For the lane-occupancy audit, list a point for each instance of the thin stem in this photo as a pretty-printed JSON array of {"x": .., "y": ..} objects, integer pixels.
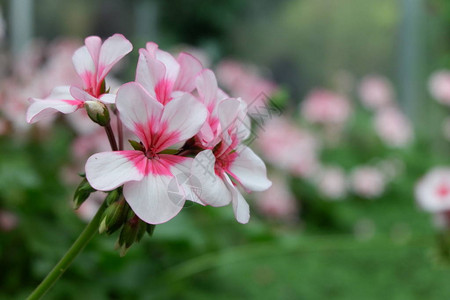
[
  {"x": 70, "y": 255},
  {"x": 111, "y": 138},
  {"x": 120, "y": 132}
]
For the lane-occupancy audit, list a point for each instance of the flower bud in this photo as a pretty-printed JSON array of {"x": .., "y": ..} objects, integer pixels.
[
  {"x": 113, "y": 196},
  {"x": 132, "y": 231},
  {"x": 82, "y": 192},
  {"x": 98, "y": 112},
  {"x": 114, "y": 217}
]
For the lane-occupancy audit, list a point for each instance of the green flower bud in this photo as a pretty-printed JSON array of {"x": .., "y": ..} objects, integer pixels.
[
  {"x": 113, "y": 196},
  {"x": 132, "y": 232},
  {"x": 98, "y": 112},
  {"x": 82, "y": 192},
  {"x": 114, "y": 217}
]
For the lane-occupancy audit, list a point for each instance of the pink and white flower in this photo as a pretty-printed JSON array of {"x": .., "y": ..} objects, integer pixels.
[
  {"x": 145, "y": 175},
  {"x": 163, "y": 76},
  {"x": 230, "y": 163},
  {"x": 433, "y": 190},
  {"x": 92, "y": 63},
  {"x": 324, "y": 107}
]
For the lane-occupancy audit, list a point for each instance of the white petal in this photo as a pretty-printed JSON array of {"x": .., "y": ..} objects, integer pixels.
[
  {"x": 84, "y": 65},
  {"x": 138, "y": 110},
  {"x": 108, "y": 98},
  {"x": 93, "y": 45},
  {"x": 207, "y": 87},
  {"x": 106, "y": 171},
  {"x": 81, "y": 95},
  {"x": 59, "y": 100},
  {"x": 240, "y": 206},
  {"x": 183, "y": 118},
  {"x": 156, "y": 198},
  {"x": 112, "y": 50},
  {"x": 189, "y": 68},
  {"x": 171, "y": 64},
  {"x": 149, "y": 71},
  {"x": 250, "y": 170},
  {"x": 213, "y": 190}
]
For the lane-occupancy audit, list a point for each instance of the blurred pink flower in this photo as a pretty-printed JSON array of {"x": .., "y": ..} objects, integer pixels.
[
  {"x": 278, "y": 202},
  {"x": 393, "y": 127},
  {"x": 332, "y": 182},
  {"x": 433, "y": 190},
  {"x": 324, "y": 107},
  {"x": 246, "y": 82},
  {"x": 8, "y": 220},
  {"x": 375, "y": 92},
  {"x": 367, "y": 182},
  {"x": 439, "y": 86},
  {"x": 288, "y": 147}
]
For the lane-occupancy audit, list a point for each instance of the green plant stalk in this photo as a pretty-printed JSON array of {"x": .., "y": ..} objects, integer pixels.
[{"x": 84, "y": 238}]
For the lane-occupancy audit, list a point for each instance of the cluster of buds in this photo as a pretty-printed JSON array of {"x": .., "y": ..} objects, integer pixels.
[{"x": 191, "y": 135}]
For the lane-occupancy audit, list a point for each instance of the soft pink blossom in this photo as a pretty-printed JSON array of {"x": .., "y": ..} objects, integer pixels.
[
  {"x": 324, "y": 107},
  {"x": 393, "y": 127},
  {"x": 278, "y": 202},
  {"x": 246, "y": 82},
  {"x": 163, "y": 76},
  {"x": 288, "y": 147},
  {"x": 8, "y": 220},
  {"x": 367, "y": 182},
  {"x": 433, "y": 190},
  {"x": 439, "y": 86},
  {"x": 375, "y": 92}
]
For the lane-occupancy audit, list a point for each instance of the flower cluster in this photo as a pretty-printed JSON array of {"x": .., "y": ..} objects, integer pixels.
[{"x": 187, "y": 133}]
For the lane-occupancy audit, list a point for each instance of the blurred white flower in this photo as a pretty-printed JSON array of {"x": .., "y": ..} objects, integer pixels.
[
  {"x": 367, "y": 182},
  {"x": 332, "y": 183},
  {"x": 393, "y": 127},
  {"x": 278, "y": 202},
  {"x": 439, "y": 86},
  {"x": 375, "y": 92}
]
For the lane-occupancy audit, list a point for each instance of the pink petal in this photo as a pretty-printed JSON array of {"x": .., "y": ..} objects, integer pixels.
[
  {"x": 59, "y": 100},
  {"x": 207, "y": 87},
  {"x": 152, "y": 199},
  {"x": 112, "y": 50},
  {"x": 182, "y": 119},
  {"x": 213, "y": 190},
  {"x": 189, "y": 69},
  {"x": 250, "y": 170},
  {"x": 240, "y": 206},
  {"x": 106, "y": 171},
  {"x": 139, "y": 112}
]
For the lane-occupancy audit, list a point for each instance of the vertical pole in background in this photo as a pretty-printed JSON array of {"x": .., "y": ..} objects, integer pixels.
[
  {"x": 21, "y": 24},
  {"x": 146, "y": 14},
  {"x": 411, "y": 57}
]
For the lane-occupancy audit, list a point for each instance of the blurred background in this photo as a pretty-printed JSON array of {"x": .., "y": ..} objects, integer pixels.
[{"x": 350, "y": 106}]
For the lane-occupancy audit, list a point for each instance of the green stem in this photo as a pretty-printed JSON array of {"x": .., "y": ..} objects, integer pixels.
[{"x": 70, "y": 255}]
